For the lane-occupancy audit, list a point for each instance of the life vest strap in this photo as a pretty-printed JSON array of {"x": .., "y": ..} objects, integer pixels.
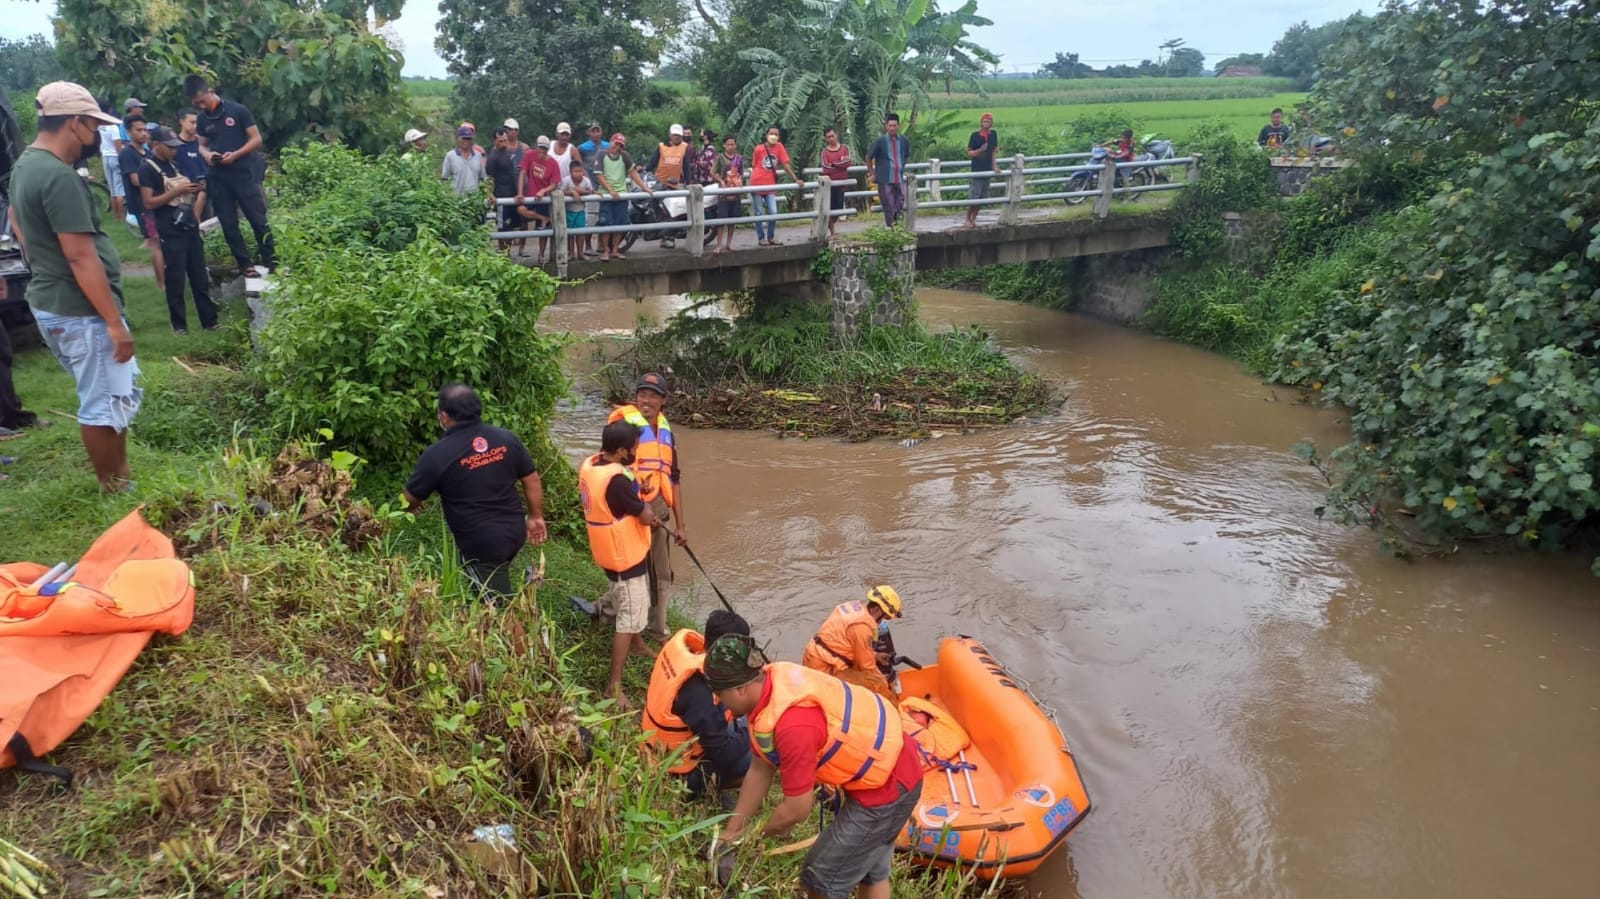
[
  {"x": 27, "y": 761},
  {"x": 841, "y": 660}
]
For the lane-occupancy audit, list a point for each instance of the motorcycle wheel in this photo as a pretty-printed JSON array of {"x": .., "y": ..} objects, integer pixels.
[
  {"x": 1139, "y": 178},
  {"x": 1080, "y": 181},
  {"x": 628, "y": 240}
]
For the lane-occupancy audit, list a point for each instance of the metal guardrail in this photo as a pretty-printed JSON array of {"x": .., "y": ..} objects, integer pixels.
[{"x": 1010, "y": 180}]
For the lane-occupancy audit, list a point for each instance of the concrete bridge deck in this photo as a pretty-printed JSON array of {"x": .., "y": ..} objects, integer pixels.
[{"x": 1041, "y": 233}]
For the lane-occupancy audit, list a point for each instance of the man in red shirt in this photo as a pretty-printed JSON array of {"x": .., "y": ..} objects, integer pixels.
[
  {"x": 537, "y": 177},
  {"x": 813, "y": 729}
]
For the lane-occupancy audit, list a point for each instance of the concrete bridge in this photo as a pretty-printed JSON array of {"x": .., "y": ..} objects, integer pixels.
[{"x": 1039, "y": 208}]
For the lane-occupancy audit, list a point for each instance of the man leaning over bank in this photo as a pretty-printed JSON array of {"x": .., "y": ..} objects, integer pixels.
[
  {"x": 482, "y": 475},
  {"x": 655, "y": 467},
  {"x": 808, "y": 729},
  {"x": 680, "y": 708},
  {"x": 76, "y": 291}
]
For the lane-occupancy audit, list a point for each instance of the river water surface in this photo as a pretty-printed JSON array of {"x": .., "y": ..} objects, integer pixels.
[{"x": 1262, "y": 704}]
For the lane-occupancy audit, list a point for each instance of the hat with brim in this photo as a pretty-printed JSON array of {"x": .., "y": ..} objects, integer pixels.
[
  {"x": 542, "y": 142},
  {"x": 651, "y": 381},
  {"x": 164, "y": 135},
  {"x": 414, "y": 135},
  {"x": 512, "y": 124},
  {"x": 132, "y": 103},
  {"x": 63, "y": 98}
]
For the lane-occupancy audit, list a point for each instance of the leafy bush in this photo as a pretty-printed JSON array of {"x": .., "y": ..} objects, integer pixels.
[
  {"x": 1214, "y": 307},
  {"x": 648, "y": 126},
  {"x": 375, "y": 309},
  {"x": 1470, "y": 361},
  {"x": 1234, "y": 177},
  {"x": 330, "y": 197}
]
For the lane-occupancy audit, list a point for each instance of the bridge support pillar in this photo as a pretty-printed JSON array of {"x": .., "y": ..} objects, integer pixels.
[{"x": 867, "y": 289}]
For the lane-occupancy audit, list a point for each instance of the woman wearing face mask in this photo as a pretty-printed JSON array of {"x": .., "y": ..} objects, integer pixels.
[
  {"x": 765, "y": 161},
  {"x": 843, "y": 645}
]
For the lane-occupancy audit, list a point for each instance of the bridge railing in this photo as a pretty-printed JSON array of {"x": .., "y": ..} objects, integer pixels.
[{"x": 1017, "y": 183}]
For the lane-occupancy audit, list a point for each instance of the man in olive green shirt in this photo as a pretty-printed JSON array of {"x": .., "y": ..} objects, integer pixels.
[{"x": 76, "y": 291}]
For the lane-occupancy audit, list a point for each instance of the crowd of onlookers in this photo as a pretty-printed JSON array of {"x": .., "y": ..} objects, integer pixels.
[
  {"x": 162, "y": 180},
  {"x": 594, "y": 176}
]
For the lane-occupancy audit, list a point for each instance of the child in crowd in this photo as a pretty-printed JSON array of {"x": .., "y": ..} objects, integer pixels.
[{"x": 577, "y": 187}]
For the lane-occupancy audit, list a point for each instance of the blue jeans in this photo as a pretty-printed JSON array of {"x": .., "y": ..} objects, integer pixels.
[
  {"x": 765, "y": 204},
  {"x": 81, "y": 343}
]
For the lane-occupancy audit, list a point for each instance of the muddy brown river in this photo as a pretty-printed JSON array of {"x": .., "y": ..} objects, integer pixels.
[{"x": 1263, "y": 704}]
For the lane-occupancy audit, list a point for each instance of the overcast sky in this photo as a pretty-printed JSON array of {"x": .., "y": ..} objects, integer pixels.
[{"x": 1025, "y": 33}]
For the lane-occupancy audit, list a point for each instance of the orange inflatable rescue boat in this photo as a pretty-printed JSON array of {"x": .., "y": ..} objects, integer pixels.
[
  {"x": 67, "y": 637},
  {"x": 1000, "y": 788}
]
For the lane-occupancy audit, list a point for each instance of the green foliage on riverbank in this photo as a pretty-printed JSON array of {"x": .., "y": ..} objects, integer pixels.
[
  {"x": 779, "y": 366},
  {"x": 1469, "y": 358},
  {"x": 388, "y": 290},
  {"x": 1445, "y": 289}
]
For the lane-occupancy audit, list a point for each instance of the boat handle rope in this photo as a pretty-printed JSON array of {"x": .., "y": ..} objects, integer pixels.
[{"x": 1027, "y": 688}]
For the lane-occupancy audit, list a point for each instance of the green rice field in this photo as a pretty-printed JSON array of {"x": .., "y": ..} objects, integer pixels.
[
  {"x": 1006, "y": 93},
  {"x": 1170, "y": 118}
]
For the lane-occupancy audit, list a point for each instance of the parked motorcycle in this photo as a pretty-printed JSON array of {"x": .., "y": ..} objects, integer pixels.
[
  {"x": 1143, "y": 176},
  {"x": 653, "y": 210}
]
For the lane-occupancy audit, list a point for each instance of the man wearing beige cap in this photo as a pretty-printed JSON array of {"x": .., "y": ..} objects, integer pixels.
[{"x": 76, "y": 292}]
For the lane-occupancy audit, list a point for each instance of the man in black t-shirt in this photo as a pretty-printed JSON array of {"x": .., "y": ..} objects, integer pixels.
[
  {"x": 476, "y": 470},
  {"x": 230, "y": 142},
  {"x": 171, "y": 201},
  {"x": 1275, "y": 135},
  {"x": 501, "y": 166},
  {"x": 981, "y": 147},
  {"x": 129, "y": 160}
]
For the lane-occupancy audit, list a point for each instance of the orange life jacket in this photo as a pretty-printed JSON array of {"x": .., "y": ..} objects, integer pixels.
[
  {"x": 831, "y": 650},
  {"x": 617, "y": 544},
  {"x": 652, "y": 461},
  {"x": 864, "y": 732},
  {"x": 669, "y": 164},
  {"x": 681, "y": 657},
  {"x": 941, "y": 738}
]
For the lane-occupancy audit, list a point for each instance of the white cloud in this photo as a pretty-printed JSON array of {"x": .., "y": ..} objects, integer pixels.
[{"x": 1025, "y": 33}]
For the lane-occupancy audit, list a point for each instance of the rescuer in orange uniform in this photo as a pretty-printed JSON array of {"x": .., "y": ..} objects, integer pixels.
[
  {"x": 811, "y": 728},
  {"x": 680, "y": 708},
  {"x": 844, "y": 646},
  {"x": 619, "y": 524},
  {"x": 656, "y": 469}
]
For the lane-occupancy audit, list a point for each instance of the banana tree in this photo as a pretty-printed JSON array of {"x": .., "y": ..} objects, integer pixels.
[{"x": 850, "y": 62}]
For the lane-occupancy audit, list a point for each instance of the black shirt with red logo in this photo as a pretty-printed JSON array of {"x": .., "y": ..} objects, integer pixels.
[
  {"x": 476, "y": 469},
  {"x": 224, "y": 130}
]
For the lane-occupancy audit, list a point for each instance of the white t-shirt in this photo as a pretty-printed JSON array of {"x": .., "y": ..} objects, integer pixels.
[
  {"x": 583, "y": 185},
  {"x": 108, "y": 135}
]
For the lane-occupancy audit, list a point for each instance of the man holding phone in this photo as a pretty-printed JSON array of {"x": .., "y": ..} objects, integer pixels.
[
  {"x": 230, "y": 143},
  {"x": 171, "y": 201}
]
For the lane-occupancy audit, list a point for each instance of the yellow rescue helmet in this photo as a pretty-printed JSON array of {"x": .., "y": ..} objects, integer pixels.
[{"x": 887, "y": 601}]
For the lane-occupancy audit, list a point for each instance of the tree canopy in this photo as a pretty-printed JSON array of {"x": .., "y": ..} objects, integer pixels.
[
  {"x": 28, "y": 62},
  {"x": 304, "y": 69},
  {"x": 542, "y": 61},
  {"x": 1297, "y": 53}
]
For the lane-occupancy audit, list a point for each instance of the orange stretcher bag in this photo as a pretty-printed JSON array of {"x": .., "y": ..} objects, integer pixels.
[{"x": 65, "y": 644}]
